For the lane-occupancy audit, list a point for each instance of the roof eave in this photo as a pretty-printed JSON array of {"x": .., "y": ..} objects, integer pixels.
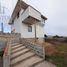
[
  {"x": 44, "y": 17},
  {"x": 19, "y": 5}
]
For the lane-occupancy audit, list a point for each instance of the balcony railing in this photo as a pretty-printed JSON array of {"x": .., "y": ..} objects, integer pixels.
[{"x": 30, "y": 15}]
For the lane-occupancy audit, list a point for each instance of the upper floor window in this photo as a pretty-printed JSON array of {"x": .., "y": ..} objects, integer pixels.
[
  {"x": 12, "y": 21},
  {"x": 18, "y": 15},
  {"x": 29, "y": 28}
]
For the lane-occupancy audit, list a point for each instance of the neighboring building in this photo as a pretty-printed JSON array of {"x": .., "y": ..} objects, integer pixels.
[{"x": 27, "y": 21}]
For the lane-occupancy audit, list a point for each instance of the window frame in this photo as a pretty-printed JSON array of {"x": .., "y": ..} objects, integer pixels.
[
  {"x": 18, "y": 15},
  {"x": 29, "y": 28}
]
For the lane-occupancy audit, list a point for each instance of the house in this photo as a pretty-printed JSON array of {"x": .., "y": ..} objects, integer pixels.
[{"x": 27, "y": 20}]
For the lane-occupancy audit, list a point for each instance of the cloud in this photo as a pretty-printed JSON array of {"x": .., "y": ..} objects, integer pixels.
[{"x": 54, "y": 10}]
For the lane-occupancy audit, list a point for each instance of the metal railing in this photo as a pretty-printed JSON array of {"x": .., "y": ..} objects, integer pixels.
[{"x": 37, "y": 49}]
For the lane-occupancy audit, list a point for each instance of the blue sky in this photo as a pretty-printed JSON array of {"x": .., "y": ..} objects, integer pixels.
[
  {"x": 54, "y": 10},
  {"x": 4, "y": 17}
]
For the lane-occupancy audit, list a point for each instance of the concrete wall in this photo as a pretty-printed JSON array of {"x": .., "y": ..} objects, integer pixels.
[
  {"x": 17, "y": 23},
  {"x": 34, "y": 13},
  {"x": 2, "y": 45},
  {"x": 6, "y": 37},
  {"x": 30, "y": 11},
  {"x": 39, "y": 30},
  {"x": 25, "y": 14}
]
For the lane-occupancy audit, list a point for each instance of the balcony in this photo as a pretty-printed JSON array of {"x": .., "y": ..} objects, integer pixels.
[{"x": 30, "y": 16}]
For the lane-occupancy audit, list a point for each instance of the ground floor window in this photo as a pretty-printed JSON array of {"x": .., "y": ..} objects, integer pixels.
[{"x": 29, "y": 28}]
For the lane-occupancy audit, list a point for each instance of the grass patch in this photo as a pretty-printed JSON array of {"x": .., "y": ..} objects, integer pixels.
[
  {"x": 59, "y": 58},
  {"x": 62, "y": 48}
]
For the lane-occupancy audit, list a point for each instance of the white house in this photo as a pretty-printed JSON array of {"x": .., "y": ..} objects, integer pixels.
[{"x": 27, "y": 20}]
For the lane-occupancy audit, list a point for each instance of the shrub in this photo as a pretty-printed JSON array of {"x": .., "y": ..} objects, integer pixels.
[
  {"x": 56, "y": 36},
  {"x": 50, "y": 50},
  {"x": 57, "y": 59}
]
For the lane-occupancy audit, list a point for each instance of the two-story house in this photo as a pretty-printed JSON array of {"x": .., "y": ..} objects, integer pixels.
[{"x": 27, "y": 20}]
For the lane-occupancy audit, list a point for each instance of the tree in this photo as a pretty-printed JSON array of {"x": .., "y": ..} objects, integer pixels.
[{"x": 56, "y": 36}]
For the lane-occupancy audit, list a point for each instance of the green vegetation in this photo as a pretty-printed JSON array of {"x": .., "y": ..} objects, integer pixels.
[
  {"x": 62, "y": 48},
  {"x": 60, "y": 57},
  {"x": 58, "y": 60}
]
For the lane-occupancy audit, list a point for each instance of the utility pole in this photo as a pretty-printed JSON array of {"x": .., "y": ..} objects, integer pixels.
[{"x": 2, "y": 27}]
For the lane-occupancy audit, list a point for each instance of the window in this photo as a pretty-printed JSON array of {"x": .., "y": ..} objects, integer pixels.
[
  {"x": 18, "y": 15},
  {"x": 12, "y": 21},
  {"x": 29, "y": 28}
]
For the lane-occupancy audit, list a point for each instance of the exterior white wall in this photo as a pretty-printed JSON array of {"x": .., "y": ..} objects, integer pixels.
[
  {"x": 23, "y": 28},
  {"x": 17, "y": 23},
  {"x": 25, "y": 14},
  {"x": 25, "y": 33},
  {"x": 34, "y": 13},
  {"x": 39, "y": 31}
]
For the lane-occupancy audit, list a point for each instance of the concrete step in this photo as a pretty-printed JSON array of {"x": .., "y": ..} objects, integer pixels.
[
  {"x": 18, "y": 49},
  {"x": 21, "y": 58},
  {"x": 45, "y": 64},
  {"x": 19, "y": 53},
  {"x": 17, "y": 46},
  {"x": 26, "y": 61},
  {"x": 14, "y": 44}
]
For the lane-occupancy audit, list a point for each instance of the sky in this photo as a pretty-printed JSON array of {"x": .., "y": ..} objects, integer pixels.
[{"x": 54, "y": 10}]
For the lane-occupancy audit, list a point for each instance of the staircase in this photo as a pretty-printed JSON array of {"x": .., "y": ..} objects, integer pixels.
[
  {"x": 26, "y": 54},
  {"x": 24, "y": 57}
]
